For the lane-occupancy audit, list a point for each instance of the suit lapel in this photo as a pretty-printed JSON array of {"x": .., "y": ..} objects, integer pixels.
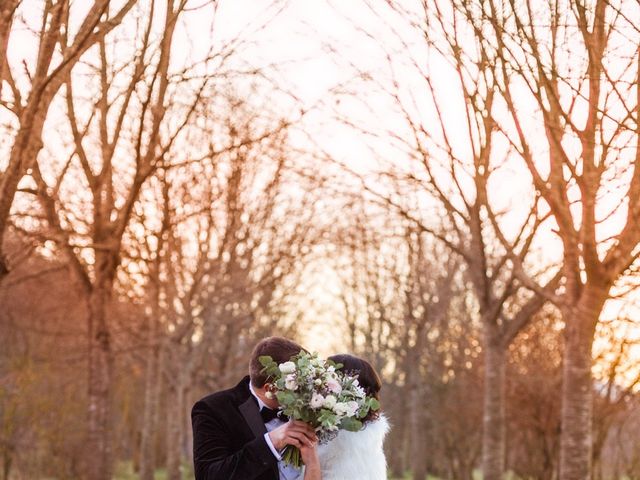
[{"x": 251, "y": 414}]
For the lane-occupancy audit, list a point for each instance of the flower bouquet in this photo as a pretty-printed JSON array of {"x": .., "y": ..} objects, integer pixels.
[{"x": 315, "y": 391}]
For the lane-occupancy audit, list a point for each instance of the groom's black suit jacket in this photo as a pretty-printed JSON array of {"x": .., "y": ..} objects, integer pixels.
[{"x": 228, "y": 437}]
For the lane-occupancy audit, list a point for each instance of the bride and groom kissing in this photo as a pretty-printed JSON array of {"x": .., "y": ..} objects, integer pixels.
[{"x": 238, "y": 433}]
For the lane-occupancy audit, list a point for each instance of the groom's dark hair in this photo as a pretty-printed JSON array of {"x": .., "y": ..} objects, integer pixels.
[{"x": 280, "y": 349}]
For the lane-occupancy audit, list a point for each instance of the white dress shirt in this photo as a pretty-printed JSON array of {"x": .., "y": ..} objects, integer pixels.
[{"x": 287, "y": 472}]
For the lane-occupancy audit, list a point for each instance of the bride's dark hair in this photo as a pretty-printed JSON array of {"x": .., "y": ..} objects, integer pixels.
[{"x": 367, "y": 377}]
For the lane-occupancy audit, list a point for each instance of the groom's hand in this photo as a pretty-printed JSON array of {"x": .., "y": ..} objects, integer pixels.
[{"x": 293, "y": 433}]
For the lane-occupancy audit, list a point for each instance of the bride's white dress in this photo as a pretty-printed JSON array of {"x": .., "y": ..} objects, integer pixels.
[{"x": 356, "y": 455}]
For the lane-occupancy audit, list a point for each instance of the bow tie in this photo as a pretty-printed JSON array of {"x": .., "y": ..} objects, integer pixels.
[{"x": 269, "y": 414}]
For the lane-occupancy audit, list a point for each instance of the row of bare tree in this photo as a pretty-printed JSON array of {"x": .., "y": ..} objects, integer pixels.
[
  {"x": 412, "y": 310},
  {"x": 521, "y": 122},
  {"x": 205, "y": 269},
  {"x": 408, "y": 306},
  {"x": 158, "y": 210},
  {"x": 157, "y": 189}
]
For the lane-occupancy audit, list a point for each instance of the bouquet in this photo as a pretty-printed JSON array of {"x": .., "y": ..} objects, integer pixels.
[{"x": 315, "y": 391}]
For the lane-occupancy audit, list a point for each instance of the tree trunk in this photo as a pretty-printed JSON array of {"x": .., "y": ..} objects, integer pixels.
[
  {"x": 467, "y": 472},
  {"x": 100, "y": 465},
  {"x": 577, "y": 392},
  {"x": 186, "y": 426},
  {"x": 417, "y": 433},
  {"x": 27, "y": 144},
  {"x": 493, "y": 438},
  {"x": 153, "y": 385},
  {"x": 396, "y": 455},
  {"x": 175, "y": 409},
  {"x": 7, "y": 460}
]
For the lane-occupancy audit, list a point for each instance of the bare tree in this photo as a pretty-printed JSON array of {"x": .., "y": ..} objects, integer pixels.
[
  {"x": 616, "y": 382},
  {"x": 124, "y": 153},
  {"x": 29, "y": 109},
  {"x": 233, "y": 228},
  {"x": 457, "y": 164},
  {"x": 574, "y": 66},
  {"x": 7, "y": 13},
  {"x": 43, "y": 350},
  {"x": 535, "y": 377},
  {"x": 154, "y": 246},
  {"x": 404, "y": 308}
]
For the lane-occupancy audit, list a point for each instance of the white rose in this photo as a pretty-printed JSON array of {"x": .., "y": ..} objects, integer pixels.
[
  {"x": 334, "y": 386},
  {"x": 290, "y": 382},
  {"x": 317, "y": 401},
  {"x": 330, "y": 401},
  {"x": 331, "y": 369},
  {"x": 341, "y": 408},
  {"x": 287, "y": 367},
  {"x": 352, "y": 408}
]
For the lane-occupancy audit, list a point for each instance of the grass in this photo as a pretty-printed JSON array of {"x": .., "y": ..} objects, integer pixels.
[
  {"x": 477, "y": 475},
  {"x": 408, "y": 477},
  {"x": 125, "y": 471}
]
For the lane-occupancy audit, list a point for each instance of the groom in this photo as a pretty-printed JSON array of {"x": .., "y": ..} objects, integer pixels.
[{"x": 237, "y": 434}]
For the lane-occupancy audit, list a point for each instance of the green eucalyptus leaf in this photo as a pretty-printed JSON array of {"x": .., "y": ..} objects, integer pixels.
[
  {"x": 351, "y": 424},
  {"x": 266, "y": 361}
]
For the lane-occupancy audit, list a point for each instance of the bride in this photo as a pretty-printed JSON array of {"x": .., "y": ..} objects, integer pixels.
[{"x": 352, "y": 455}]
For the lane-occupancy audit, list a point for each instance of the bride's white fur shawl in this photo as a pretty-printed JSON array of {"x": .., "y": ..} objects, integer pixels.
[{"x": 356, "y": 455}]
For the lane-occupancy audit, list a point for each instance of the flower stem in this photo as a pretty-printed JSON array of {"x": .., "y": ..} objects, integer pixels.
[{"x": 292, "y": 456}]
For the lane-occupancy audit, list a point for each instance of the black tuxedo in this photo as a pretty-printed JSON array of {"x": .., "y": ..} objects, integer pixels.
[{"x": 228, "y": 437}]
